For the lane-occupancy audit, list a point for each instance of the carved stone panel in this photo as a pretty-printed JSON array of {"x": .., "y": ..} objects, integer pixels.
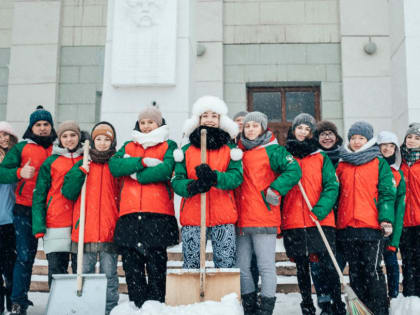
[{"x": 144, "y": 42}]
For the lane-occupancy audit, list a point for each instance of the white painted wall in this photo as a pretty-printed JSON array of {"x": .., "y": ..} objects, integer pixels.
[
  {"x": 366, "y": 78},
  {"x": 34, "y": 55}
]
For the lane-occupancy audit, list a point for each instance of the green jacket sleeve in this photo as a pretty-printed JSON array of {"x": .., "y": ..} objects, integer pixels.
[
  {"x": 11, "y": 163},
  {"x": 124, "y": 166},
  {"x": 399, "y": 212},
  {"x": 180, "y": 180},
  {"x": 39, "y": 198},
  {"x": 386, "y": 193},
  {"x": 163, "y": 171},
  {"x": 329, "y": 192},
  {"x": 283, "y": 163},
  {"x": 73, "y": 182},
  {"x": 233, "y": 176}
]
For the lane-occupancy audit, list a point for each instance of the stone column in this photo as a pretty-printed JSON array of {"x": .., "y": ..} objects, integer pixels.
[
  {"x": 34, "y": 56},
  {"x": 366, "y": 78}
]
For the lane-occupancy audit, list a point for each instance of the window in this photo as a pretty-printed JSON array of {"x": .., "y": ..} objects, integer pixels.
[{"x": 283, "y": 104}]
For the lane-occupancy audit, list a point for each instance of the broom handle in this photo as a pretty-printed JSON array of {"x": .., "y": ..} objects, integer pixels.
[
  {"x": 327, "y": 244},
  {"x": 82, "y": 223},
  {"x": 203, "y": 220}
]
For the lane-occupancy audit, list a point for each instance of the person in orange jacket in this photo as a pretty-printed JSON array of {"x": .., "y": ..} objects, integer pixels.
[
  {"x": 147, "y": 223},
  {"x": 102, "y": 193},
  {"x": 302, "y": 240},
  {"x": 51, "y": 211},
  {"x": 21, "y": 165},
  {"x": 365, "y": 213},
  {"x": 218, "y": 178},
  {"x": 269, "y": 173},
  {"x": 410, "y": 237}
]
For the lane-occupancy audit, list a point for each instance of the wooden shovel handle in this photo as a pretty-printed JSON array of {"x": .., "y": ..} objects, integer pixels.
[
  {"x": 324, "y": 238},
  {"x": 82, "y": 223},
  {"x": 203, "y": 144}
]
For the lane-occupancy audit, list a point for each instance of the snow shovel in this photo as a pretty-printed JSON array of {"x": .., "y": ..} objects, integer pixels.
[
  {"x": 354, "y": 305},
  {"x": 189, "y": 286},
  {"x": 81, "y": 293}
]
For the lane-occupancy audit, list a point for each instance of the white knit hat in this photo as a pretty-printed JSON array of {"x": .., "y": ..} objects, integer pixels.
[
  {"x": 214, "y": 104},
  {"x": 390, "y": 137},
  {"x": 7, "y": 128}
]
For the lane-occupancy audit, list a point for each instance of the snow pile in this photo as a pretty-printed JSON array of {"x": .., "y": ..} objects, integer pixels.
[
  {"x": 405, "y": 305},
  {"x": 228, "y": 305}
]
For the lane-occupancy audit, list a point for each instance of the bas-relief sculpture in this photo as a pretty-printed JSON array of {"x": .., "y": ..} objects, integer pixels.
[{"x": 144, "y": 43}]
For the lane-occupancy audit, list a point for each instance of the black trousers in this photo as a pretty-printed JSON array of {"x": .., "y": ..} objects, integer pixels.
[
  {"x": 136, "y": 265},
  {"x": 331, "y": 281},
  {"x": 58, "y": 263},
  {"x": 366, "y": 276},
  {"x": 7, "y": 262},
  {"x": 410, "y": 254}
]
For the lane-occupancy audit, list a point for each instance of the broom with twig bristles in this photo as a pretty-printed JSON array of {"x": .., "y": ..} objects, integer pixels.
[{"x": 354, "y": 305}]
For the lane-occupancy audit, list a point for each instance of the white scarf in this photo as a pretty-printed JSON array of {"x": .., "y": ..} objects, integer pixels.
[{"x": 152, "y": 138}]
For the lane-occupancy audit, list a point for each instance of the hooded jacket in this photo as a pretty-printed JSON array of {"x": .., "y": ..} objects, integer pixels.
[
  {"x": 51, "y": 211},
  {"x": 265, "y": 166},
  {"x": 367, "y": 192}
]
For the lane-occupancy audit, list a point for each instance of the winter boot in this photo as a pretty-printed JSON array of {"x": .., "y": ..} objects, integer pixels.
[
  {"x": 266, "y": 305},
  {"x": 1, "y": 300},
  {"x": 308, "y": 308},
  {"x": 249, "y": 303},
  {"x": 326, "y": 308},
  {"x": 18, "y": 309},
  {"x": 338, "y": 308}
]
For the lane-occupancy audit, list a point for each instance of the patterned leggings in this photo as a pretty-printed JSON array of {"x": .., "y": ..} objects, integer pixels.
[{"x": 223, "y": 242}]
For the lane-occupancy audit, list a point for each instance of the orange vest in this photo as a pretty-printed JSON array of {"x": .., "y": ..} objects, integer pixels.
[
  {"x": 358, "y": 195},
  {"x": 412, "y": 205},
  {"x": 59, "y": 209},
  {"x": 25, "y": 187},
  {"x": 101, "y": 206},
  {"x": 220, "y": 204},
  {"x": 295, "y": 213},
  {"x": 153, "y": 197},
  {"x": 258, "y": 176}
]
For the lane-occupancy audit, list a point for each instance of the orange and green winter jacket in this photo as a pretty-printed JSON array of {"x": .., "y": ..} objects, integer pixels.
[
  {"x": 367, "y": 194},
  {"x": 220, "y": 201},
  {"x": 399, "y": 207},
  {"x": 151, "y": 192},
  {"x": 321, "y": 186},
  {"x": 101, "y": 201},
  {"x": 50, "y": 209},
  {"x": 12, "y": 164},
  {"x": 265, "y": 166},
  {"x": 412, "y": 207}
]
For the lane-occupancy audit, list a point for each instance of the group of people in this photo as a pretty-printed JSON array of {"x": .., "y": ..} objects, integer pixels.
[{"x": 364, "y": 194}]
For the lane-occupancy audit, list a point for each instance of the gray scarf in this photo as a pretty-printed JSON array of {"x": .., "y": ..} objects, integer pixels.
[
  {"x": 366, "y": 154},
  {"x": 260, "y": 140}
]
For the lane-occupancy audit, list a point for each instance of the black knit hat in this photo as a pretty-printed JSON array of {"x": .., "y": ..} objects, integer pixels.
[{"x": 40, "y": 114}]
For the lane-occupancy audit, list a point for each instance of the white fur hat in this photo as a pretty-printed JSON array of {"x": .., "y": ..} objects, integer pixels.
[
  {"x": 214, "y": 104},
  {"x": 7, "y": 128}
]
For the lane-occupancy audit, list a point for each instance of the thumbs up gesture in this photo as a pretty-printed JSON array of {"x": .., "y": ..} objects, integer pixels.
[{"x": 27, "y": 171}]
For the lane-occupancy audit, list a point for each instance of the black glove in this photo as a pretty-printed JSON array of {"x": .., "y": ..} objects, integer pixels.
[
  {"x": 198, "y": 187},
  {"x": 206, "y": 174}
]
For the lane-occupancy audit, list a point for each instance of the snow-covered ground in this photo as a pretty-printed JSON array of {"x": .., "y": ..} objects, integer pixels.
[{"x": 285, "y": 304}]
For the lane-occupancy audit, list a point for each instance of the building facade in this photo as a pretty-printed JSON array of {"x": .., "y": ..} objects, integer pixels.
[{"x": 340, "y": 60}]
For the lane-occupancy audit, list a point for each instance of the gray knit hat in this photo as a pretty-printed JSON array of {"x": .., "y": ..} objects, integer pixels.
[
  {"x": 242, "y": 113},
  {"x": 362, "y": 128},
  {"x": 257, "y": 117},
  {"x": 413, "y": 129},
  {"x": 306, "y": 119}
]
